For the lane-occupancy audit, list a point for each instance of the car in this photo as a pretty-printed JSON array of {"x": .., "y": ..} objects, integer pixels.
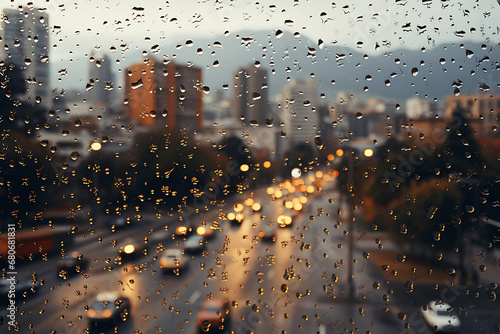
[
  {"x": 173, "y": 260},
  {"x": 214, "y": 316},
  {"x": 108, "y": 309},
  {"x": 195, "y": 244},
  {"x": 72, "y": 264},
  {"x": 440, "y": 316},
  {"x": 267, "y": 231},
  {"x": 131, "y": 247}
]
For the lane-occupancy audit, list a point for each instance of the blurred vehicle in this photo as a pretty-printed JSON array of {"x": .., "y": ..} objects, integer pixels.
[
  {"x": 284, "y": 220},
  {"x": 72, "y": 264},
  {"x": 207, "y": 230},
  {"x": 267, "y": 232},
  {"x": 108, "y": 309},
  {"x": 24, "y": 286},
  {"x": 131, "y": 247},
  {"x": 214, "y": 316},
  {"x": 235, "y": 218},
  {"x": 45, "y": 239},
  {"x": 195, "y": 244},
  {"x": 173, "y": 261},
  {"x": 440, "y": 316}
]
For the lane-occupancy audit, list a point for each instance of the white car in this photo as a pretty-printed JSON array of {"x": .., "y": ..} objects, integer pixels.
[
  {"x": 108, "y": 309},
  {"x": 440, "y": 316},
  {"x": 173, "y": 261}
]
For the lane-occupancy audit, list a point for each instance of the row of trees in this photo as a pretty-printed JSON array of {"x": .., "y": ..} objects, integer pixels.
[{"x": 429, "y": 193}]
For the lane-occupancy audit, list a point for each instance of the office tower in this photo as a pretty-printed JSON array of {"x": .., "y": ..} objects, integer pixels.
[
  {"x": 100, "y": 80},
  {"x": 250, "y": 97},
  {"x": 164, "y": 94},
  {"x": 298, "y": 109},
  {"x": 24, "y": 36}
]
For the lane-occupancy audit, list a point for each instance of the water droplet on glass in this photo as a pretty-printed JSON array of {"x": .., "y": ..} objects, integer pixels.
[
  {"x": 279, "y": 33},
  {"x": 65, "y": 132},
  {"x": 74, "y": 155},
  {"x": 414, "y": 71},
  {"x": 319, "y": 142},
  {"x": 256, "y": 96},
  {"x": 78, "y": 122},
  {"x": 269, "y": 123},
  {"x": 359, "y": 115},
  {"x": 469, "y": 53},
  {"x": 44, "y": 143},
  {"x": 137, "y": 84}
]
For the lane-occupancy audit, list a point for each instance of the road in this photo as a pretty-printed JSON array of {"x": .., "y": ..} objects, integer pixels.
[{"x": 291, "y": 285}]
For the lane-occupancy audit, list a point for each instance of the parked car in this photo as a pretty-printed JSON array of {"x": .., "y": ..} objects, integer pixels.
[
  {"x": 440, "y": 316},
  {"x": 173, "y": 261},
  {"x": 108, "y": 309},
  {"x": 214, "y": 316}
]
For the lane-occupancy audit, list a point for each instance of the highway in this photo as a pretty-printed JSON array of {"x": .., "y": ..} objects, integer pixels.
[{"x": 294, "y": 284}]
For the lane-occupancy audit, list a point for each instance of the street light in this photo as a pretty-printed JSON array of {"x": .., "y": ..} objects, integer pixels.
[
  {"x": 350, "y": 238},
  {"x": 95, "y": 147}
]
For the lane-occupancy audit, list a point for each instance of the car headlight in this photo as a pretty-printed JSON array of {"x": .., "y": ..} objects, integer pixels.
[
  {"x": 129, "y": 249},
  {"x": 91, "y": 313},
  {"x": 201, "y": 230},
  {"x": 239, "y": 217}
]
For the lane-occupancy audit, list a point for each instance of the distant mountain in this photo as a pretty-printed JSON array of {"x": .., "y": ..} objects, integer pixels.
[{"x": 435, "y": 71}]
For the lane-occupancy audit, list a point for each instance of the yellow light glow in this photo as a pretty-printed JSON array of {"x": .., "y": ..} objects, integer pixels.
[
  {"x": 129, "y": 249},
  {"x": 284, "y": 220},
  {"x": 181, "y": 230},
  {"x": 303, "y": 200},
  {"x": 95, "y": 146},
  {"x": 319, "y": 174},
  {"x": 368, "y": 152},
  {"x": 292, "y": 189},
  {"x": 297, "y": 206},
  {"x": 262, "y": 234},
  {"x": 239, "y": 217},
  {"x": 249, "y": 201},
  {"x": 201, "y": 230},
  {"x": 339, "y": 152},
  {"x": 310, "y": 189},
  {"x": 266, "y": 164},
  {"x": 330, "y": 157},
  {"x": 231, "y": 216},
  {"x": 278, "y": 194},
  {"x": 91, "y": 313},
  {"x": 238, "y": 207},
  {"x": 107, "y": 313},
  {"x": 270, "y": 191},
  {"x": 256, "y": 207},
  {"x": 244, "y": 168},
  {"x": 288, "y": 204}
]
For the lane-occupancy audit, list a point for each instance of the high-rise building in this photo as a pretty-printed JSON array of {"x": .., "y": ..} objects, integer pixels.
[
  {"x": 24, "y": 36},
  {"x": 250, "y": 97},
  {"x": 165, "y": 94},
  {"x": 100, "y": 79},
  {"x": 299, "y": 110}
]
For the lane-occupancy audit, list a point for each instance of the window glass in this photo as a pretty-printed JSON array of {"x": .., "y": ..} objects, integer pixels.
[{"x": 219, "y": 166}]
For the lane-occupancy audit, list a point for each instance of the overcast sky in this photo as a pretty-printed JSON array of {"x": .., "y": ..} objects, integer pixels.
[
  {"x": 106, "y": 23},
  {"x": 79, "y": 26}
]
